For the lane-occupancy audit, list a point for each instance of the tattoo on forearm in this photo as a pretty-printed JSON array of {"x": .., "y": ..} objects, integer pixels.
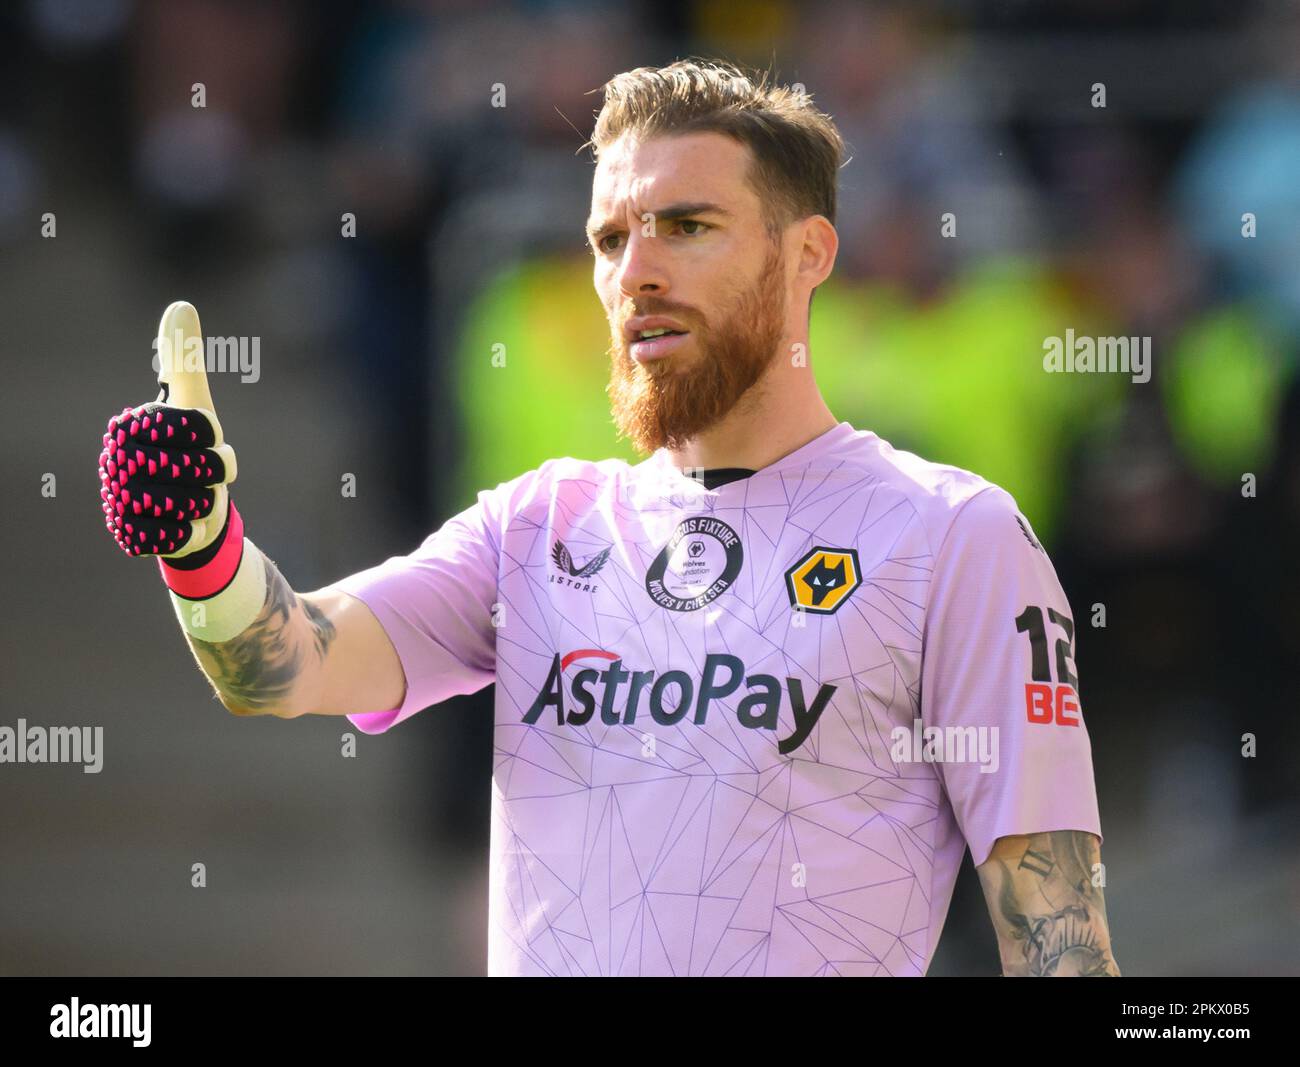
[
  {"x": 258, "y": 668},
  {"x": 1036, "y": 862},
  {"x": 1048, "y": 907}
]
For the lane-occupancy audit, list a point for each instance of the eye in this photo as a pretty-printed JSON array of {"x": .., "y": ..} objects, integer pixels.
[
  {"x": 601, "y": 246},
  {"x": 692, "y": 222}
]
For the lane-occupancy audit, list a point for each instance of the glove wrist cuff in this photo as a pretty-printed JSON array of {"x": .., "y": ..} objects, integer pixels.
[
  {"x": 215, "y": 573},
  {"x": 229, "y": 613}
]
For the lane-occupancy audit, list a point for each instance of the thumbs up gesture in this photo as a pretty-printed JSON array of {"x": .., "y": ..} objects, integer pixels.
[{"x": 165, "y": 465}]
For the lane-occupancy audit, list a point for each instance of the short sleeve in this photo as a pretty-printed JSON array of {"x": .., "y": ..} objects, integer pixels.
[
  {"x": 998, "y": 655},
  {"x": 436, "y": 607}
]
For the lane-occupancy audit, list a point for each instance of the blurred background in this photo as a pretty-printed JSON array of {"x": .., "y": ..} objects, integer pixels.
[{"x": 1123, "y": 220}]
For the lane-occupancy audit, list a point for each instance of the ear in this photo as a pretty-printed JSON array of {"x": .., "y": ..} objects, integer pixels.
[{"x": 819, "y": 244}]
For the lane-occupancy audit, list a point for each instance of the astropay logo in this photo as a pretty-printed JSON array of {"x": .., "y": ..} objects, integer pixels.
[
  {"x": 102, "y": 1020},
  {"x": 670, "y": 696}
]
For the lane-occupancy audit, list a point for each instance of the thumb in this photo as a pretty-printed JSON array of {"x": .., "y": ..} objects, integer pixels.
[
  {"x": 182, "y": 362},
  {"x": 183, "y": 376}
]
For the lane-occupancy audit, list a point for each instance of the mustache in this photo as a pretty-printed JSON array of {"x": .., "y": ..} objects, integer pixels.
[{"x": 683, "y": 312}]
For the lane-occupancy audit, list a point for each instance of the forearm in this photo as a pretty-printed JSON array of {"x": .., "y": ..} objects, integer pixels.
[
  {"x": 1047, "y": 905},
  {"x": 274, "y": 665}
]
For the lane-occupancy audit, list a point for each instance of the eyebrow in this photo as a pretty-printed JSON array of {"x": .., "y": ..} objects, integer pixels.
[{"x": 672, "y": 213}]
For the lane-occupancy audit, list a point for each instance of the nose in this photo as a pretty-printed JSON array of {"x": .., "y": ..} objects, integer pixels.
[{"x": 642, "y": 269}]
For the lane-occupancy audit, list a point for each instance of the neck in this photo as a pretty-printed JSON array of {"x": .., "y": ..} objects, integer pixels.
[{"x": 781, "y": 413}]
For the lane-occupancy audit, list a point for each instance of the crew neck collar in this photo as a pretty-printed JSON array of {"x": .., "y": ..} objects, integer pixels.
[{"x": 834, "y": 436}]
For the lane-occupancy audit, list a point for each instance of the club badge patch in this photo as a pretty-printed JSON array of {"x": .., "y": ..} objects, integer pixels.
[
  {"x": 696, "y": 566},
  {"x": 823, "y": 579}
]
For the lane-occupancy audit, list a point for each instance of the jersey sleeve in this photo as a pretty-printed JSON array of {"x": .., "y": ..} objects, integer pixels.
[
  {"x": 436, "y": 605},
  {"x": 998, "y": 652}
]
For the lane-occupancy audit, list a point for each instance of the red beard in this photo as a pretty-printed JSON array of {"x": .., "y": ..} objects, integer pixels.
[{"x": 670, "y": 401}]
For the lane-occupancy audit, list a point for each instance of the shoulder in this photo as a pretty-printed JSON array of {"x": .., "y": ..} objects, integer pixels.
[
  {"x": 945, "y": 498},
  {"x": 563, "y": 476}
]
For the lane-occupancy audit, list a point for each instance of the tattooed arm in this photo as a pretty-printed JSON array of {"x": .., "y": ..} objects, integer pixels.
[
  {"x": 1049, "y": 915},
  {"x": 320, "y": 653}
]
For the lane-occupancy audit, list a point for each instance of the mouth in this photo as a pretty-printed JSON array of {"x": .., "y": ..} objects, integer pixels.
[{"x": 650, "y": 345}]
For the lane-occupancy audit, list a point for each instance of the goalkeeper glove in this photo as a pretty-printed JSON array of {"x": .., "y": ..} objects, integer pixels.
[{"x": 164, "y": 472}]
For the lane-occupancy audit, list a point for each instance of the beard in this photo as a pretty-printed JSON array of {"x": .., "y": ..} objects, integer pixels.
[{"x": 671, "y": 400}]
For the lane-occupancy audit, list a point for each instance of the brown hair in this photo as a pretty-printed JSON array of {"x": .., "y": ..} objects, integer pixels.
[{"x": 796, "y": 148}]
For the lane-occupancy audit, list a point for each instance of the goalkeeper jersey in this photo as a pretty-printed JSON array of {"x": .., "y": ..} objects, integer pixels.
[{"x": 746, "y": 728}]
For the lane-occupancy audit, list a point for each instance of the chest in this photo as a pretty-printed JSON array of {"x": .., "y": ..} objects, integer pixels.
[{"x": 768, "y": 621}]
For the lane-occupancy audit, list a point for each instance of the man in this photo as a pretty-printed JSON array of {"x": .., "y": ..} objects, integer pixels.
[{"x": 757, "y": 693}]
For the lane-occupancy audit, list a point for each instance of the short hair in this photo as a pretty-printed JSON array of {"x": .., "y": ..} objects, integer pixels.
[{"x": 796, "y": 148}]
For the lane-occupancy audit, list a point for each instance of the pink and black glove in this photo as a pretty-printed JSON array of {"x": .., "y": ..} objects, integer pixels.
[
  {"x": 158, "y": 475},
  {"x": 164, "y": 471},
  {"x": 165, "y": 467}
]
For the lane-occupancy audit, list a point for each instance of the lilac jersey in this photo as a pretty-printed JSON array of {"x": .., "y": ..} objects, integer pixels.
[{"x": 748, "y": 730}]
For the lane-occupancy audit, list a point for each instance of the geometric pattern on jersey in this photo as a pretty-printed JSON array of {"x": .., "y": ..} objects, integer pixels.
[
  {"x": 691, "y": 776},
  {"x": 717, "y": 854}
]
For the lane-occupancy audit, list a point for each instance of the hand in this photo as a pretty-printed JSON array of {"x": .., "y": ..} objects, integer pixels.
[{"x": 165, "y": 466}]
